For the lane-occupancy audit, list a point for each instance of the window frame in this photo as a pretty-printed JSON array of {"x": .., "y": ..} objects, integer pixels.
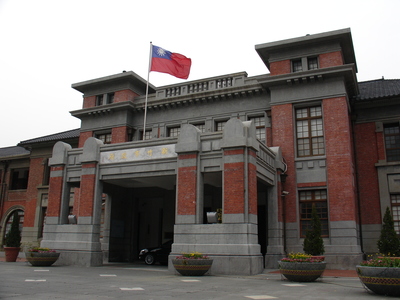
[
  {"x": 220, "y": 124},
  {"x": 304, "y": 222},
  {"x": 395, "y": 208},
  {"x": 17, "y": 182},
  {"x": 104, "y": 136},
  {"x": 171, "y": 131},
  {"x": 319, "y": 140},
  {"x": 261, "y": 133},
  {"x": 297, "y": 65},
  {"x": 392, "y": 138}
]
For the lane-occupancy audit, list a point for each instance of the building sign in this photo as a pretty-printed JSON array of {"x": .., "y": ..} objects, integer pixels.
[{"x": 138, "y": 154}]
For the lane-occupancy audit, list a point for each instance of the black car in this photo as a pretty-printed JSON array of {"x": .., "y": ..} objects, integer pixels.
[{"x": 156, "y": 254}]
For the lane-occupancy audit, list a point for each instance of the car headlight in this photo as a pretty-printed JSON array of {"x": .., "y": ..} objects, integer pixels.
[{"x": 144, "y": 251}]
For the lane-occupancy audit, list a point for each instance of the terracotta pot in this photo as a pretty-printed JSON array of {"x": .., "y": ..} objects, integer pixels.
[
  {"x": 192, "y": 267},
  {"x": 42, "y": 258},
  {"x": 380, "y": 280},
  {"x": 302, "y": 272},
  {"x": 11, "y": 253}
]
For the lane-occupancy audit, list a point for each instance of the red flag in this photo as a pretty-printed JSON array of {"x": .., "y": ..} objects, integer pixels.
[{"x": 165, "y": 61}]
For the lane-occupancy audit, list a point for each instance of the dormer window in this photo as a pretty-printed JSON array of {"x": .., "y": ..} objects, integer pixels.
[
  {"x": 312, "y": 63},
  {"x": 104, "y": 99},
  {"x": 297, "y": 65},
  {"x": 110, "y": 98},
  {"x": 304, "y": 64},
  {"x": 99, "y": 100}
]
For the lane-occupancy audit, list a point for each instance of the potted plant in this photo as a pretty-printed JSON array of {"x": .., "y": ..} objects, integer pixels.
[
  {"x": 37, "y": 256},
  {"x": 301, "y": 267},
  {"x": 13, "y": 240},
  {"x": 313, "y": 242},
  {"x": 381, "y": 275},
  {"x": 192, "y": 264}
]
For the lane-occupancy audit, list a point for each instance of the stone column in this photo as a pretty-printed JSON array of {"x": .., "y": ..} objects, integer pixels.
[
  {"x": 188, "y": 205},
  {"x": 79, "y": 243}
]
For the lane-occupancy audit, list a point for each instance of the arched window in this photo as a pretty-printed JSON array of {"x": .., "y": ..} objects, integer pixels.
[{"x": 10, "y": 219}]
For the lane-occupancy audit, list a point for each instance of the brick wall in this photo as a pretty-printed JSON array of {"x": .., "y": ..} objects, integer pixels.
[
  {"x": 283, "y": 136},
  {"x": 187, "y": 185},
  {"x": 83, "y": 137},
  {"x": 368, "y": 153},
  {"x": 55, "y": 192},
  {"x": 340, "y": 165},
  {"x": 89, "y": 102},
  {"x": 119, "y": 134},
  {"x": 124, "y": 95},
  {"x": 87, "y": 190},
  {"x": 330, "y": 59},
  {"x": 280, "y": 67}
]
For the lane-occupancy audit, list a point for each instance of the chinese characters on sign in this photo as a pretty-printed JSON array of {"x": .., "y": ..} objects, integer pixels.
[{"x": 138, "y": 154}]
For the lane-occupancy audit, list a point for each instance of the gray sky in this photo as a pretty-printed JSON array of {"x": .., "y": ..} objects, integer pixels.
[{"x": 46, "y": 45}]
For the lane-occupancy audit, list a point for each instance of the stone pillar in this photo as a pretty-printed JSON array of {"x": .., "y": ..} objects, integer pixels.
[
  {"x": 239, "y": 172},
  {"x": 188, "y": 210},
  {"x": 79, "y": 243},
  {"x": 233, "y": 244},
  {"x": 58, "y": 191}
]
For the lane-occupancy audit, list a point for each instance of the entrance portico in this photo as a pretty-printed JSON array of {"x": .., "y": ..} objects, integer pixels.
[{"x": 233, "y": 162}]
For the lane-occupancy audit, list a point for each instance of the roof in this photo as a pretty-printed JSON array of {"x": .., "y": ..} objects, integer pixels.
[
  {"x": 343, "y": 36},
  {"x": 70, "y": 134},
  {"x": 14, "y": 151},
  {"x": 380, "y": 88}
]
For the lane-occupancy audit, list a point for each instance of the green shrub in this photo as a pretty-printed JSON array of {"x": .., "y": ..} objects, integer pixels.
[
  {"x": 388, "y": 243},
  {"x": 13, "y": 237},
  {"x": 313, "y": 242}
]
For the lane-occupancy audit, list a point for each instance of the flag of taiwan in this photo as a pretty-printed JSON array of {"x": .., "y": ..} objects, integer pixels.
[{"x": 165, "y": 61}]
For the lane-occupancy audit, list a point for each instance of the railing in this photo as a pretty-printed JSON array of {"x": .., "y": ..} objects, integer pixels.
[{"x": 199, "y": 87}]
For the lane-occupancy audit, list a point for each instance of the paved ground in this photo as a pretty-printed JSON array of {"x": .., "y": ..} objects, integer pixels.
[{"x": 20, "y": 280}]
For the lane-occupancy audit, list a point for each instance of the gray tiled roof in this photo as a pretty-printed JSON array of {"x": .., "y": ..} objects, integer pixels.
[
  {"x": 380, "y": 88},
  {"x": 70, "y": 134},
  {"x": 14, "y": 151}
]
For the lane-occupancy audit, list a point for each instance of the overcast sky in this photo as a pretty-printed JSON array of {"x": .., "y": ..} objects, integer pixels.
[{"x": 46, "y": 45}]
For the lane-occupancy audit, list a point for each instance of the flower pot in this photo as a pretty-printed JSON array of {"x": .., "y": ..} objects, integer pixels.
[
  {"x": 11, "y": 253},
  {"x": 44, "y": 259},
  {"x": 380, "y": 280},
  {"x": 302, "y": 271},
  {"x": 192, "y": 267}
]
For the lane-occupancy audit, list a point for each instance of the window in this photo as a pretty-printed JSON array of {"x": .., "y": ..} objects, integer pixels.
[
  {"x": 174, "y": 131},
  {"x": 310, "y": 132},
  {"x": 219, "y": 126},
  {"x": 11, "y": 218},
  {"x": 147, "y": 135},
  {"x": 307, "y": 199},
  {"x": 99, "y": 100},
  {"x": 19, "y": 179},
  {"x": 395, "y": 200},
  {"x": 201, "y": 127},
  {"x": 110, "y": 98},
  {"x": 312, "y": 63},
  {"x": 392, "y": 141},
  {"x": 259, "y": 123},
  {"x": 297, "y": 65},
  {"x": 106, "y": 138}
]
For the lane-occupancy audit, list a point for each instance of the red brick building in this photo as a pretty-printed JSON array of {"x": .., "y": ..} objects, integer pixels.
[{"x": 260, "y": 150}]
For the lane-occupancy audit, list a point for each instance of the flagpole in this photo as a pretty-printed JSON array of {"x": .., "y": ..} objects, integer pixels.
[{"x": 147, "y": 92}]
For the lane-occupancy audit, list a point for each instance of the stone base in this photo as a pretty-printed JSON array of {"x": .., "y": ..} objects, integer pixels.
[{"x": 80, "y": 258}]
